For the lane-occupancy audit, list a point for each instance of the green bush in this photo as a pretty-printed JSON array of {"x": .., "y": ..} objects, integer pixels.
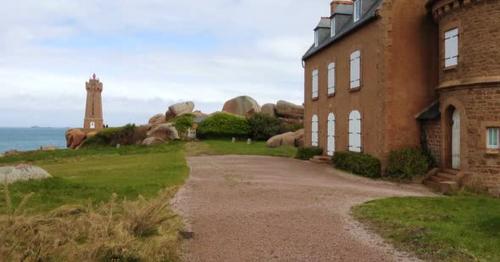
[
  {"x": 223, "y": 125},
  {"x": 263, "y": 127},
  {"x": 407, "y": 163},
  {"x": 358, "y": 163},
  {"x": 183, "y": 123},
  {"x": 306, "y": 153},
  {"x": 125, "y": 135}
]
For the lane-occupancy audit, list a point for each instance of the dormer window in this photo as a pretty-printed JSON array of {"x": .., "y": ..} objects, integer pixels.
[
  {"x": 316, "y": 38},
  {"x": 357, "y": 10},
  {"x": 332, "y": 27}
]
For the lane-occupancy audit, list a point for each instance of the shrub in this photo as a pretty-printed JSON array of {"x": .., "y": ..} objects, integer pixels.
[
  {"x": 407, "y": 163},
  {"x": 306, "y": 153},
  {"x": 358, "y": 163},
  {"x": 125, "y": 135},
  {"x": 263, "y": 127},
  {"x": 183, "y": 123},
  {"x": 223, "y": 125}
]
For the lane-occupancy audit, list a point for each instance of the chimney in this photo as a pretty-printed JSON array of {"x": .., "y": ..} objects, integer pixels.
[{"x": 335, "y": 3}]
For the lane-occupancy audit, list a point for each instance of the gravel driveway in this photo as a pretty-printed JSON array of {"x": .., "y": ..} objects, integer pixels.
[{"x": 250, "y": 208}]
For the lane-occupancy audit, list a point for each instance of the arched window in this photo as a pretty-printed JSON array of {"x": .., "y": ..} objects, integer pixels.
[
  {"x": 315, "y": 131},
  {"x": 331, "y": 134},
  {"x": 92, "y": 125},
  {"x": 355, "y": 132}
]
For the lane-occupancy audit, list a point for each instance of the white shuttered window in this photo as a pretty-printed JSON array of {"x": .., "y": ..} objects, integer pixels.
[
  {"x": 356, "y": 69},
  {"x": 355, "y": 132},
  {"x": 315, "y": 84},
  {"x": 331, "y": 79},
  {"x": 331, "y": 134},
  {"x": 451, "y": 48},
  {"x": 333, "y": 26},
  {"x": 315, "y": 131},
  {"x": 357, "y": 10}
]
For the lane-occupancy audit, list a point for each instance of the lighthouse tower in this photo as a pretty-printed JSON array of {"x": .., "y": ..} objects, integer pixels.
[{"x": 93, "y": 109}]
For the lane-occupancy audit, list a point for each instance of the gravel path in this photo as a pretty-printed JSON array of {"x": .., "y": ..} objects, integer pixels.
[{"x": 248, "y": 208}]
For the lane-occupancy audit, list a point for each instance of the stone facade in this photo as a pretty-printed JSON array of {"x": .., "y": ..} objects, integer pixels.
[
  {"x": 93, "y": 108},
  {"x": 432, "y": 138},
  {"x": 472, "y": 87}
]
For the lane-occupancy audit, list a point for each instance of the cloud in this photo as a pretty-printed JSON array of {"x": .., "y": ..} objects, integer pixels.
[{"x": 149, "y": 54}]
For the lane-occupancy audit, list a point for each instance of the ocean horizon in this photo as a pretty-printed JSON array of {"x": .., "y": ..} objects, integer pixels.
[{"x": 31, "y": 138}]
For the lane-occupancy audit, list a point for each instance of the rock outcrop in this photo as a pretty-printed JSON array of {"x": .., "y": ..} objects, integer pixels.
[
  {"x": 179, "y": 109},
  {"x": 242, "y": 106},
  {"x": 166, "y": 132},
  {"x": 75, "y": 137},
  {"x": 157, "y": 119},
  {"x": 269, "y": 109},
  {"x": 287, "y": 139},
  {"x": 11, "y": 174},
  {"x": 151, "y": 141},
  {"x": 289, "y": 110}
]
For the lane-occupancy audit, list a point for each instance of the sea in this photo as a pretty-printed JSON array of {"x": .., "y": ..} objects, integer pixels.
[{"x": 26, "y": 139}]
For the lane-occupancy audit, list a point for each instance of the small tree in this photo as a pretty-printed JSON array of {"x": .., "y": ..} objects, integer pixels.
[{"x": 263, "y": 127}]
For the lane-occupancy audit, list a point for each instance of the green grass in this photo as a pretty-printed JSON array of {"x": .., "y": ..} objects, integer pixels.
[
  {"x": 458, "y": 228},
  {"x": 95, "y": 174},
  {"x": 226, "y": 147}
]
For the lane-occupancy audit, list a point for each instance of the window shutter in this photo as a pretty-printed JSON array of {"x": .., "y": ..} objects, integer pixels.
[
  {"x": 356, "y": 69},
  {"x": 331, "y": 78},
  {"x": 355, "y": 132},
  {"x": 451, "y": 48},
  {"x": 331, "y": 134},
  {"x": 315, "y": 131},
  {"x": 315, "y": 84}
]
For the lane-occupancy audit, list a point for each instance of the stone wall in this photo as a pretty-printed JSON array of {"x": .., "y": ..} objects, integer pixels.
[
  {"x": 432, "y": 132},
  {"x": 481, "y": 106}
]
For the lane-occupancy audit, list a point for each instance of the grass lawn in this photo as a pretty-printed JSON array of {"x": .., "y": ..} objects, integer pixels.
[
  {"x": 95, "y": 174},
  {"x": 226, "y": 147},
  {"x": 458, "y": 228}
]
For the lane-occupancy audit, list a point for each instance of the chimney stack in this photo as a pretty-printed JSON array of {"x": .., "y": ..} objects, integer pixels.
[{"x": 335, "y": 3}]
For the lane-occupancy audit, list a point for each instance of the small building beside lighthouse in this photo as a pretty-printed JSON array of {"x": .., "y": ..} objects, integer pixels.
[{"x": 93, "y": 108}]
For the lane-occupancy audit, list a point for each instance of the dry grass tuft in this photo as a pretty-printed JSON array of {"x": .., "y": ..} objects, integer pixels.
[{"x": 143, "y": 230}]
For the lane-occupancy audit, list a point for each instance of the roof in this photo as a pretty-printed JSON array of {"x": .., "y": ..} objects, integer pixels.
[
  {"x": 348, "y": 28},
  {"x": 323, "y": 23},
  {"x": 430, "y": 113}
]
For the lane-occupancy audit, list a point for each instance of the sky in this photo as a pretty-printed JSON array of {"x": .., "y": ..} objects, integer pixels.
[{"x": 149, "y": 54}]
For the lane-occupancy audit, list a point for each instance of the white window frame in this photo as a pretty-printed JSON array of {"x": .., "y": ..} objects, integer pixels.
[
  {"x": 355, "y": 132},
  {"x": 315, "y": 131},
  {"x": 331, "y": 78},
  {"x": 451, "y": 41},
  {"x": 333, "y": 26},
  {"x": 357, "y": 11},
  {"x": 355, "y": 69},
  {"x": 315, "y": 84},
  {"x": 316, "y": 38},
  {"x": 493, "y": 138}
]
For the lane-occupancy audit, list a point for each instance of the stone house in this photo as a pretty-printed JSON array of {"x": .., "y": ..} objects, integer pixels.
[{"x": 388, "y": 74}]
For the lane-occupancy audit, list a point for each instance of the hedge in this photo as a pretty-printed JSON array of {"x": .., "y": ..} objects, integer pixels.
[
  {"x": 263, "y": 127},
  {"x": 183, "y": 123},
  {"x": 358, "y": 163},
  {"x": 126, "y": 135},
  {"x": 223, "y": 125},
  {"x": 407, "y": 163},
  {"x": 306, "y": 153}
]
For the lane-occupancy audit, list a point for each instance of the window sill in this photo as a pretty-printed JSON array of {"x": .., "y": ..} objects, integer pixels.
[
  {"x": 450, "y": 68},
  {"x": 492, "y": 152},
  {"x": 356, "y": 89},
  {"x": 315, "y": 99},
  {"x": 331, "y": 95}
]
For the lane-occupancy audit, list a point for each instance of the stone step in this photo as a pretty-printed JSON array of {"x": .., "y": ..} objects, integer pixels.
[
  {"x": 445, "y": 187},
  {"x": 451, "y": 171},
  {"x": 447, "y": 176}
]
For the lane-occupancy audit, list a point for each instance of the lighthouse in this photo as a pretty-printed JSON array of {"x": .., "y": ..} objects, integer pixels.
[{"x": 93, "y": 108}]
